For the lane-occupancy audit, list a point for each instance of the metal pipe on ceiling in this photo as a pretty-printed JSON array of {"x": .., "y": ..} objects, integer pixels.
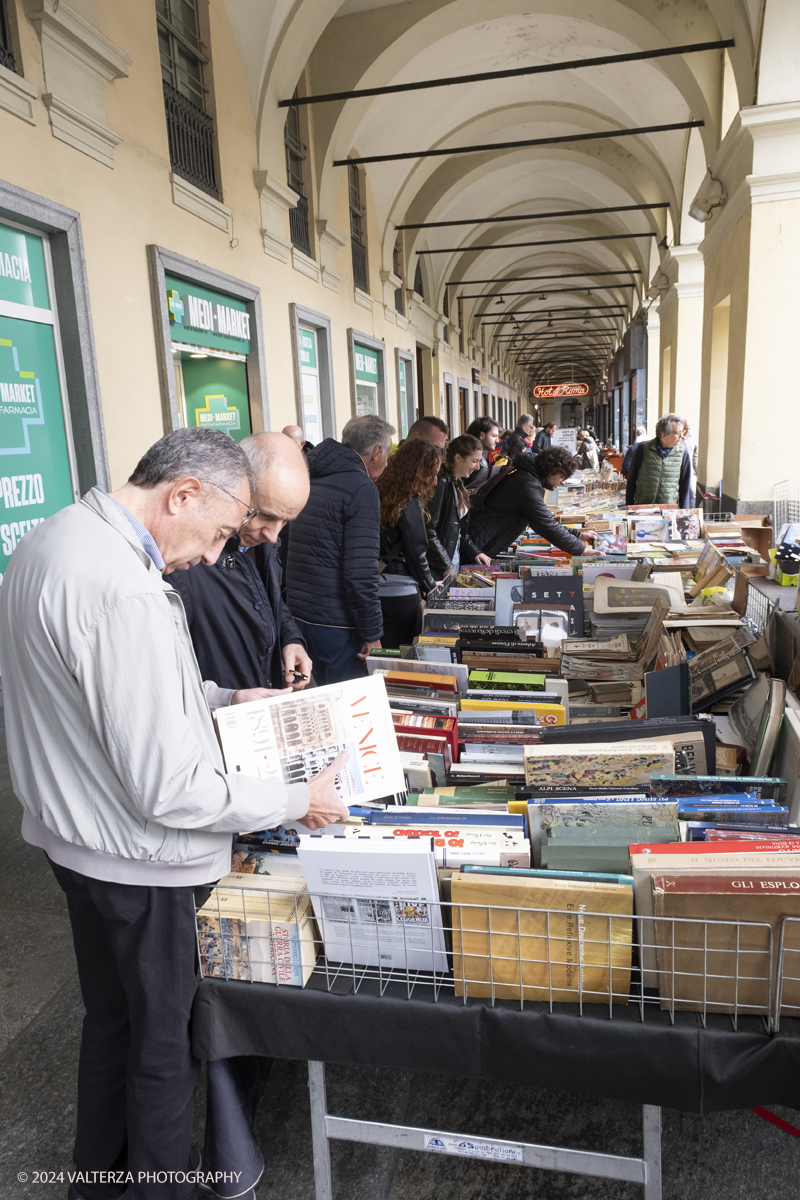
[
  {"x": 601, "y": 237},
  {"x": 567, "y": 212},
  {"x": 543, "y": 278},
  {"x": 509, "y": 73},
  {"x": 564, "y": 139}
]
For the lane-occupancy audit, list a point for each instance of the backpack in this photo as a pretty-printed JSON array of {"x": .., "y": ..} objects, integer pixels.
[{"x": 484, "y": 490}]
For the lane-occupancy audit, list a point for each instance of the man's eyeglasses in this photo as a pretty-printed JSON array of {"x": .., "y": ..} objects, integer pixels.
[{"x": 251, "y": 512}]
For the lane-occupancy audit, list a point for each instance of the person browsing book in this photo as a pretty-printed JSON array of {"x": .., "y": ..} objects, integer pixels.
[
  {"x": 332, "y": 567},
  {"x": 241, "y": 629},
  {"x": 405, "y": 487},
  {"x": 115, "y": 761},
  {"x": 513, "y": 499},
  {"x": 660, "y": 471},
  {"x": 448, "y": 542}
]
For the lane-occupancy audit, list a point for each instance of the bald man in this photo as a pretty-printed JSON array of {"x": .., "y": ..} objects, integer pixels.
[
  {"x": 296, "y": 434},
  {"x": 243, "y": 634}
]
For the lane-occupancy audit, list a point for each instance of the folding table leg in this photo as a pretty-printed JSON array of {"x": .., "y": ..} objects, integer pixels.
[
  {"x": 323, "y": 1185},
  {"x": 651, "y": 1115}
]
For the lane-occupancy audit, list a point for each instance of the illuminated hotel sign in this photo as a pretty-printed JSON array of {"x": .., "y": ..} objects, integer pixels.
[{"x": 556, "y": 391}]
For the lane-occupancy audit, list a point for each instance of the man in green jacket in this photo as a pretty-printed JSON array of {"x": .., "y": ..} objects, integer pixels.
[{"x": 661, "y": 470}]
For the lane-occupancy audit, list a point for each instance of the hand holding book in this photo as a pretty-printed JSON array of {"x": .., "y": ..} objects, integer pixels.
[{"x": 326, "y": 804}]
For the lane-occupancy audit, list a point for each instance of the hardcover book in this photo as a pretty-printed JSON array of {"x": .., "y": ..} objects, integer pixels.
[
  {"x": 540, "y": 938},
  {"x": 617, "y": 765}
]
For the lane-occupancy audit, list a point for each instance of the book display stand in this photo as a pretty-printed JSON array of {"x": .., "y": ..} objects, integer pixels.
[{"x": 707, "y": 1038}]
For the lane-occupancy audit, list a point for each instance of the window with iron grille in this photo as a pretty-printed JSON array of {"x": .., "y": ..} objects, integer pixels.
[
  {"x": 189, "y": 126},
  {"x": 357, "y": 230},
  {"x": 6, "y": 46},
  {"x": 418, "y": 281},
  {"x": 293, "y": 148},
  {"x": 397, "y": 267}
]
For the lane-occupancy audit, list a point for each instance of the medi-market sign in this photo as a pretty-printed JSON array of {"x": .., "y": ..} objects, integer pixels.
[{"x": 200, "y": 317}]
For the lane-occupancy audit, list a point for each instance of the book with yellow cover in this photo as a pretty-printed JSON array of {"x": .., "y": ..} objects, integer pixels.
[
  {"x": 541, "y": 938},
  {"x": 546, "y": 714}
]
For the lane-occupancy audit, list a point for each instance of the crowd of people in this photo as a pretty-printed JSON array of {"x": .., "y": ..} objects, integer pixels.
[{"x": 129, "y": 617}]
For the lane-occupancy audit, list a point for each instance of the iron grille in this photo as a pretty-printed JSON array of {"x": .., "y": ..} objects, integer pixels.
[
  {"x": 6, "y": 49},
  {"x": 398, "y": 300},
  {"x": 298, "y": 225},
  {"x": 191, "y": 141},
  {"x": 360, "y": 266}
]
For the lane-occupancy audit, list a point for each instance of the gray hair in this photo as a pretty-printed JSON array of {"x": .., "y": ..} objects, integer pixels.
[
  {"x": 663, "y": 425},
  {"x": 525, "y": 419},
  {"x": 363, "y": 434},
  {"x": 210, "y": 455},
  {"x": 263, "y": 450}
]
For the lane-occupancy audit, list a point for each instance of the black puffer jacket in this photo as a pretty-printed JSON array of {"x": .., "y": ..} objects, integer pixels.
[
  {"x": 444, "y": 527},
  {"x": 412, "y": 559},
  {"x": 518, "y": 501},
  {"x": 237, "y": 619},
  {"x": 332, "y": 567}
]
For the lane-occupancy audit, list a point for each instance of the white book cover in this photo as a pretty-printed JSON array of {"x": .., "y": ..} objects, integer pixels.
[
  {"x": 376, "y": 902},
  {"x": 290, "y": 739}
]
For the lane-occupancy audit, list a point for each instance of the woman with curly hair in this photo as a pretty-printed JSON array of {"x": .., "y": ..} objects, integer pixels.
[
  {"x": 448, "y": 542},
  {"x": 405, "y": 487}
]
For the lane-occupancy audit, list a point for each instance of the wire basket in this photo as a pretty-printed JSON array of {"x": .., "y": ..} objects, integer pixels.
[
  {"x": 786, "y": 497},
  {"x": 589, "y": 962}
]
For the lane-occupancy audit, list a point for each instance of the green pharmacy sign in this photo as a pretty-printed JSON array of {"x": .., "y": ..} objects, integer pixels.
[
  {"x": 200, "y": 317},
  {"x": 217, "y": 415},
  {"x": 35, "y": 475}
]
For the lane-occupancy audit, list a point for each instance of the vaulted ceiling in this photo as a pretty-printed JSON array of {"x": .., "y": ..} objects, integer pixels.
[{"x": 372, "y": 43}]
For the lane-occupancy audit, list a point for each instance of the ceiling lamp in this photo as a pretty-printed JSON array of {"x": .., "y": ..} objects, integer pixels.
[{"x": 710, "y": 196}]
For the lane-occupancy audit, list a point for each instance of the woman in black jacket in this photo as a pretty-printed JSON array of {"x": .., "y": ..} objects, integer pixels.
[
  {"x": 448, "y": 542},
  {"x": 406, "y": 484}
]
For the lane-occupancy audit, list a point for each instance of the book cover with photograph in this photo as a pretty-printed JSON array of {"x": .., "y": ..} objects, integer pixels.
[{"x": 290, "y": 739}]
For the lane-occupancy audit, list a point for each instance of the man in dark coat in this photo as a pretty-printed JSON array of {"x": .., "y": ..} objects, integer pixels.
[
  {"x": 517, "y": 500},
  {"x": 544, "y": 438},
  {"x": 332, "y": 570},
  {"x": 243, "y": 634}
]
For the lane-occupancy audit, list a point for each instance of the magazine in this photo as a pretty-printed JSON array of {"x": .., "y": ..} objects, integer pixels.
[
  {"x": 376, "y": 901},
  {"x": 292, "y": 738}
]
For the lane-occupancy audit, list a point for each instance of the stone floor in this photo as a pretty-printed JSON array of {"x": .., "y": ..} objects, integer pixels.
[{"x": 724, "y": 1156}]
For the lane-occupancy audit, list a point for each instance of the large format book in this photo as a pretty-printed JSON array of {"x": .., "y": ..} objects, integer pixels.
[
  {"x": 722, "y": 955},
  {"x": 589, "y": 815},
  {"x": 772, "y": 856},
  {"x": 289, "y": 739},
  {"x": 539, "y": 938},
  {"x": 600, "y": 764},
  {"x": 550, "y": 590},
  {"x": 724, "y": 668},
  {"x": 762, "y": 787},
  {"x": 377, "y": 902},
  {"x": 787, "y": 760},
  {"x": 583, "y": 666},
  {"x": 248, "y": 931}
]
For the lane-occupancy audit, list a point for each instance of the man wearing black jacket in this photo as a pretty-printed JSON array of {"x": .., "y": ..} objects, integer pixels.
[
  {"x": 332, "y": 569},
  {"x": 243, "y": 634},
  {"x": 500, "y": 515}
]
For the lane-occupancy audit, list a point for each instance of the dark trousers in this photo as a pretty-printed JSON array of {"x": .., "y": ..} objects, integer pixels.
[
  {"x": 402, "y": 620},
  {"x": 333, "y": 652},
  {"x": 136, "y": 954}
]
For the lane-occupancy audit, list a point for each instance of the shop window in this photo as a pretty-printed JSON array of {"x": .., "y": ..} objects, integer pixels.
[
  {"x": 6, "y": 46},
  {"x": 293, "y": 148},
  {"x": 358, "y": 235},
  {"x": 190, "y": 127}
]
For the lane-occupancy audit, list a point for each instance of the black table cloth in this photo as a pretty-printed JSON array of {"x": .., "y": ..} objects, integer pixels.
[{"x": 683, "y": 1066}]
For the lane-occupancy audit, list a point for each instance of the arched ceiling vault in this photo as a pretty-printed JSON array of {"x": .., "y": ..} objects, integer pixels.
[{"x": 374, "y": 43}]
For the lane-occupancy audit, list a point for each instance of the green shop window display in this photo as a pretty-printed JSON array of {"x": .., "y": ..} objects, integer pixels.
[
  {"x": 367, "y": 369},
  {"x": 210, "y": 343},
  {"x": 36, "y": 461}
]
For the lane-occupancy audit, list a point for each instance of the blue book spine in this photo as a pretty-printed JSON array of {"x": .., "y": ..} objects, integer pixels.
[
  {"x": 420, "y": 818},
  {"x": 540, "y": 873}
]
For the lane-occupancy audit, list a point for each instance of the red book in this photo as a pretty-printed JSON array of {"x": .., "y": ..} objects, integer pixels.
[{"x": 768, "y": 846}]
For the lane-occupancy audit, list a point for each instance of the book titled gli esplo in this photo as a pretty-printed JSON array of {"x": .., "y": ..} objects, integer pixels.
[{"x": 289, "y": 739}]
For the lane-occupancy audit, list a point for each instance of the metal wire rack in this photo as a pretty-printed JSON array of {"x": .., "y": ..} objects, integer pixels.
[
  {"x": 589, "y": 960},
  {"x": 786, "y": 497}
]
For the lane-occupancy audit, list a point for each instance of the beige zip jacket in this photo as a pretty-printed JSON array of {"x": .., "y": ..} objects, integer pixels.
[{"x": 111, "y": 742}]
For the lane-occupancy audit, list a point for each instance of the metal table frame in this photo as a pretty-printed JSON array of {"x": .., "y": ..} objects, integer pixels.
[{"x": 325, "y": 1127}]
